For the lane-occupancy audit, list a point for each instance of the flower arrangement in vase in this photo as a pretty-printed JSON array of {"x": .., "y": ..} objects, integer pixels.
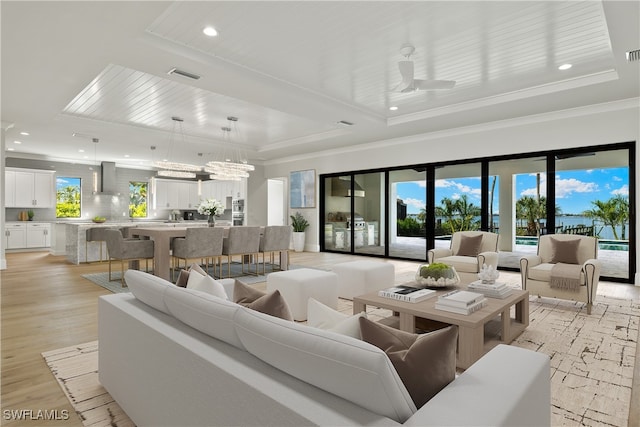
[{"x": 211, "y": 208}]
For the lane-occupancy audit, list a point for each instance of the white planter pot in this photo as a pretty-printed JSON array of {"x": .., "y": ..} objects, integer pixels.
[{"x": 298, "y": 241}]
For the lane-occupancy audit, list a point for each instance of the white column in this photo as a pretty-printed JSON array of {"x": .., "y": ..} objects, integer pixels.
[{"x": 507, "y": 213}]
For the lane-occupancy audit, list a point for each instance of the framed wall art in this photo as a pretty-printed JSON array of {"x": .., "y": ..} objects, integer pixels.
[{"x": 302, "y": 189}]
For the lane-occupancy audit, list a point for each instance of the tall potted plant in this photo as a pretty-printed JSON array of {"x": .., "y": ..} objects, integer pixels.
[{"x": 299, "y": 224}]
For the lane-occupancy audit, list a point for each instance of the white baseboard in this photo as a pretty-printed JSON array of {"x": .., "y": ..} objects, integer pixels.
[{"x": 3, "y": 264}]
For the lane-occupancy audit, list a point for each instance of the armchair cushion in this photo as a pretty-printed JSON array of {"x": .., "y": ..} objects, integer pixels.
[
  {"x": 469, "y": 245},
  {"x": 542, "y": 272},
  {"x": 462, "y": 264},
  {"x": 564, "y": 251}
]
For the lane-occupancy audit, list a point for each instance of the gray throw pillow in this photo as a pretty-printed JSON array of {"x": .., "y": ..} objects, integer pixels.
[
  {"x": 271, "y": 303},
  {"x": 425, "y": 363},
  {"x": 564, "y": 251},
  {"x": 469, "y": 245}
]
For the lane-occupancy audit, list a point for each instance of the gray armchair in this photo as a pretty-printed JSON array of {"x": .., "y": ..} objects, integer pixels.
[
  {"x": 243, "y": 241},
  {"x": 276, "y": 238},
  {"x": 202, "y": 243},
  {"x": 468, "y": 252},
  {"x": 536, "y": 270},
  {"x": 123, "y": 249},
  {"x": 95, "y": 234}
]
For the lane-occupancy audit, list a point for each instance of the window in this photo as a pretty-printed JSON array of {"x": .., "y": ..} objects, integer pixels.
[
  {"x": 138, "y": 199},
  {"x": 68, "y": 197}
]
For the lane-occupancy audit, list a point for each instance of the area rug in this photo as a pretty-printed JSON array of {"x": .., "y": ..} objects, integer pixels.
[
  {"x": 592, "y": 360},
  {"x": 102, "y": 279}
]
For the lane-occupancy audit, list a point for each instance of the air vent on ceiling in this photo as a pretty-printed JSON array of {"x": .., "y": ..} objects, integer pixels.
[
  {"x": 183, "y": 73},
  {"x": 345, "y": 123},
  {"x": 633, "y": 55}
]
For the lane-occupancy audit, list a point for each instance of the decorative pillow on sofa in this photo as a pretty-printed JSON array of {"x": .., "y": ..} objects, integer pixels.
[
  {"x": 183, "y": 277},
  {"x": 469, "y": 245},
  {"x": 324, "y": 317},
  {"x": 564, "y": 251},
  {"x": 426, "y": 363},
  {"x": 270, "y": 303},
  {"x": 205, "y": 283}
]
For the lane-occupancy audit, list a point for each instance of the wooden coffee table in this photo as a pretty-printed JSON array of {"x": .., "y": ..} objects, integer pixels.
[{"x": 473, "y": 342}]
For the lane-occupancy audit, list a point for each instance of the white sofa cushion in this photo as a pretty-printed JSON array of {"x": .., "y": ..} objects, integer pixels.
[
  {"x": 360, "y": 372},
  {"x": 148, "y": 288},
  {"x": 206, "y": 313}
]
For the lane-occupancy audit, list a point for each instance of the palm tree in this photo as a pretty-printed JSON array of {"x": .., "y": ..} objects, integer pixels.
[
  {"x": 448, "y": 211},
  {"x": 612, "y": 212},
  {"x": 467, "y": 211}
]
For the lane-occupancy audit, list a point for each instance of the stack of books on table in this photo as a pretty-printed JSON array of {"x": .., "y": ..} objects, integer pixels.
[
  {"x": 407, "y": 293},
  {"x": 461, "y": 302},
  {"x": 491, "y": 290}
]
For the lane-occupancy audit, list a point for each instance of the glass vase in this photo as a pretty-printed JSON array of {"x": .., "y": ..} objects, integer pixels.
[{"x": 211, "y": 221}]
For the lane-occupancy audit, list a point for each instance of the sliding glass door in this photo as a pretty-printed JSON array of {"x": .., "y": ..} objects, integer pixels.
[{"x": 408, "y": 213}]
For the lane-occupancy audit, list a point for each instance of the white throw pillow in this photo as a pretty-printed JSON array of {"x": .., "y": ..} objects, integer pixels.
[
  {"x": 206, "y": 284},
  {"x": 324, "y": 317}
]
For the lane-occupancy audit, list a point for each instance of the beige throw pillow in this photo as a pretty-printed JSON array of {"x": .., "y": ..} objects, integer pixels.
[
  {"x": 564, "y": 251},
  {"x": 183, "y": 278},
  {"x": 425, "y": 363},
  {"x": 268, "y": 303},
  {"x": 469, "y": 245}
]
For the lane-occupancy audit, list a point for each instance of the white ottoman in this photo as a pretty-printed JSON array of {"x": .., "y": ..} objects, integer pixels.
[
  {"x": 297, "y": 286},
  {"x": 361, "y": 277}
]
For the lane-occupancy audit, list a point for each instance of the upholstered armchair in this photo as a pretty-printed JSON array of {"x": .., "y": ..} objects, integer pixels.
[
  {"x": 203, "y": 243},
  {"x": 245, "y": 242},
  {"x": 468, "y": 252},
  {"x": 567, "y": 249},
  {"x": 123, "y": 249}
]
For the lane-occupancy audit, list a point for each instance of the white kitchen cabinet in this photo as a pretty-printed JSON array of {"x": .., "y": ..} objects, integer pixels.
[
  {"x": 38, "y": 235},
  {"x": 15, "y": 236},
  {"x": 174, "y": 194},
  {"x": 30, "y": 188}
]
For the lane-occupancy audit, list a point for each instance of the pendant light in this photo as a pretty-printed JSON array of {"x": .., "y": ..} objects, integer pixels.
[
  {"x": 232, "y": 164},
  {"x": 176, "y": 169}
]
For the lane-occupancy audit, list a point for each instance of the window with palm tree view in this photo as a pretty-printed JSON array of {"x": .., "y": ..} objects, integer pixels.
[
  {"x": 68, "y": 197},
  {"x": 509, "y": 195},
  {"x": 138, "y": 199}
]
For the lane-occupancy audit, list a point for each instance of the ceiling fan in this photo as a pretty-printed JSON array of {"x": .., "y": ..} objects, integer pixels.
[{"x": 409, "y": 84}]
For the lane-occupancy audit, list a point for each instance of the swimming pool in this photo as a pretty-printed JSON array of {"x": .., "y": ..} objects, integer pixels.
[{"x": 604, "y": 244}]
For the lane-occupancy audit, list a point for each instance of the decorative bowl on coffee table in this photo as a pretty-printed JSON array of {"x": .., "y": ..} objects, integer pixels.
[{"x": 436, "y": 275}]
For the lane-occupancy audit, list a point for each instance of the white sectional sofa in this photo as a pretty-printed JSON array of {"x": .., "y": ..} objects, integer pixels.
[{"x": 178, "y": 357}]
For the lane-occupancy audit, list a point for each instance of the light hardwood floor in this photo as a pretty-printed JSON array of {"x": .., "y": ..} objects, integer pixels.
[{"x": 46, "y": 305}]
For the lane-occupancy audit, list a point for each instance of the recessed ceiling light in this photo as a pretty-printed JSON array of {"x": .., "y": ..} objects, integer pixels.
[
  {"x": 11, "y": 149},
  {"x": 565, "y": 67},
  {"x": 81, "y": 151},
  {"x": 126, "y": 155},
  {"x": 24, "y": 133},
  {"x": 394, "y": 108},
  {"x": 17, "y": 142},
  {"x": 210, "y": 31}
]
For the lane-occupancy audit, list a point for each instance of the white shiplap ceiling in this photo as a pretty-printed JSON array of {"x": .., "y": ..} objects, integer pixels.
[{"x": 291, "y": 70}]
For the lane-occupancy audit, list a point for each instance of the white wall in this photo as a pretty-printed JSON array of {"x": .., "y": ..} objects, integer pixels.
[{"x": 595, "y": 125}]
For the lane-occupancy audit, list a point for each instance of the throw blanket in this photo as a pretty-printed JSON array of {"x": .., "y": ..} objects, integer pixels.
[{"x": 566, "y": 276}]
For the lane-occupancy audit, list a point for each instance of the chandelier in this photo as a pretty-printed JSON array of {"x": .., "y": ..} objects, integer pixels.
[
  {"x": 232, "y": 164},
  {"x": 176, "y": 169}
]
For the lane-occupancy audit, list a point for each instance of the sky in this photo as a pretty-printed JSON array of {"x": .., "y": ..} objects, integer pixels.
[{"x": 574, "y": 189}]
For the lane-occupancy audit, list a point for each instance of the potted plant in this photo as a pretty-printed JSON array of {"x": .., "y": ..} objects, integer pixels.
[
  {"x": 30, "y": 214},
  {"x": 299, "y": 224}
]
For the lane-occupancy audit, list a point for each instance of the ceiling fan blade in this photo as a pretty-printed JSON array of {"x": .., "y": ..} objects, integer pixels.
[
  {"x": 406, "y": 71},
  {"x": 433, "y": 84}
]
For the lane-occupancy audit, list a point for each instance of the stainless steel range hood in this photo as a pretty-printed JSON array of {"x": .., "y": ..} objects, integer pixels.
[
  {"x": 108, "y": 182},
  {"x": 342, "y": 188}
]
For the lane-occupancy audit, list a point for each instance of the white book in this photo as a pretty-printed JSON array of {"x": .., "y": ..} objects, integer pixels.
[
  {"x": 462, "y": 310},
  {"x": 407, "y": 294},
  {"x": 459, "y": 298}
]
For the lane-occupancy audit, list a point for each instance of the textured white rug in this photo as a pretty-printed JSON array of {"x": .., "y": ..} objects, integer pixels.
[{"x": 592, "y": 360}]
